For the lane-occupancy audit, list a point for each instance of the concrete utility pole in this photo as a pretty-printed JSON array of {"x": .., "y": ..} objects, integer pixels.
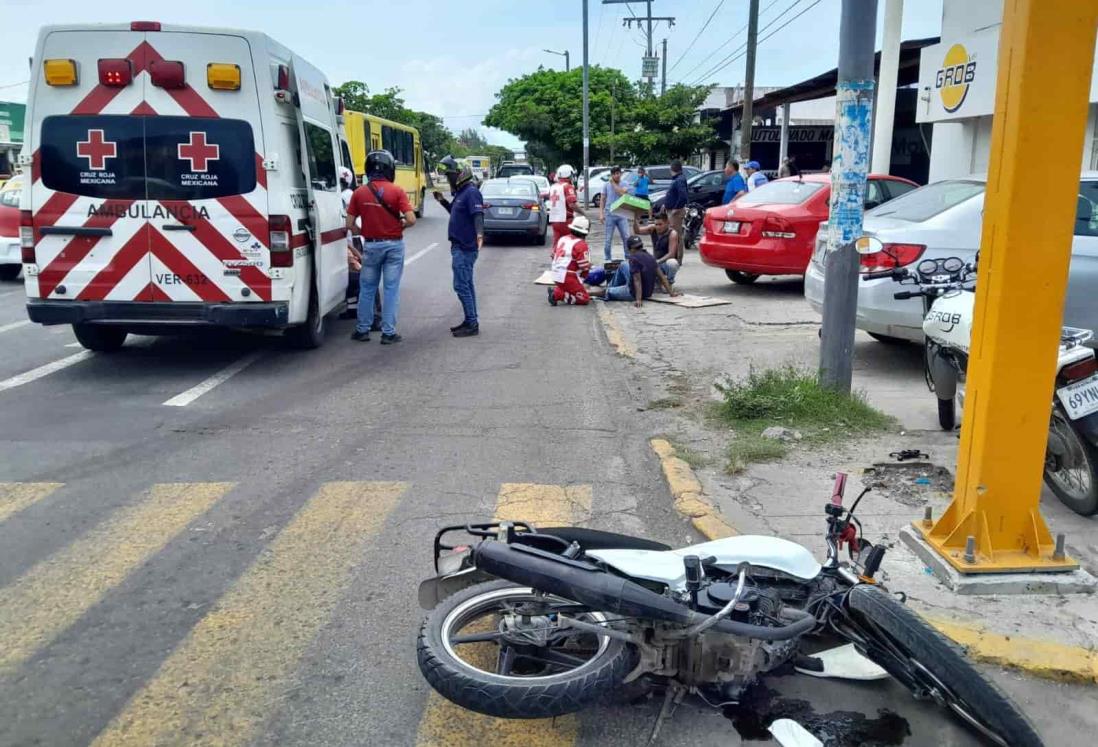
[
  {"x": 886, "y": 90},
  {"x": 613, "y": 101},
  {"x": 749, "y": 82},
  {"x": 586, "y": 117},
  {"x": 663, "y": 79},
  {"x": 853, "y": 114},
  {"x": 648, "y": 19}
]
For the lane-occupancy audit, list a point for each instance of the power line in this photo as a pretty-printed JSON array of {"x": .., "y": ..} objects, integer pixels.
[
  {"x": 741, "y": 50},
  {"x": 14, "y": 85},
  {"x": 698, "y": 35},
  {"x": 772, "y": 33},
  {"x": 725, "y": 44}
]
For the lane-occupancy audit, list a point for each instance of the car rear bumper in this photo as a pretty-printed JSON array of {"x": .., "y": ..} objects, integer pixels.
[
  {"x": 10, "y": 252},
  {"x": 131, "y": 314},
  {"x": 502, "y": 225},
  {"x": 878, "y": 312},
  {"x": 768, "y": 257}
]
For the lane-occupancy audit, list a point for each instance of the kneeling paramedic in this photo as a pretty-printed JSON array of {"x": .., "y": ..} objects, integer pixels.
[
  {"x": 571, "y": 263},
  {"x": 466, "y": 234},
  {"x": 384, "y": 211}
]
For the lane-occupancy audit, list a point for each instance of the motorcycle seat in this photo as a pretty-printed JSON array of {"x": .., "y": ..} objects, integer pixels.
[{"x": 596, "y": 539}]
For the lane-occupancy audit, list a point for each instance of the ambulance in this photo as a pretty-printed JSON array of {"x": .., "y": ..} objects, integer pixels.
[{"x": 180, "y": 177}]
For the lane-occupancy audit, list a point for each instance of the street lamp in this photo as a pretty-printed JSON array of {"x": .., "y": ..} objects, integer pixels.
[{"x": 564, "y": 54}]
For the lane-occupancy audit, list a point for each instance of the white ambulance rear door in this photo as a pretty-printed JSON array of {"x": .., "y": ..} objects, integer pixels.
[{"x": 318, "y": 132}]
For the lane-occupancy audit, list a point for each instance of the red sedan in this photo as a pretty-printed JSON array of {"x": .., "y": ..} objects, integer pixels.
[{"x": 772, "y": 230}]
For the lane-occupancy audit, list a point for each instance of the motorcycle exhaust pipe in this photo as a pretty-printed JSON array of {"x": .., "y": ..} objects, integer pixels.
[{"x": 606, "y": 592}]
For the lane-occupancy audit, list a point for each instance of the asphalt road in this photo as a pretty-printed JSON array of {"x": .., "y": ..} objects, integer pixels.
[{"x": 240, "y": 566}]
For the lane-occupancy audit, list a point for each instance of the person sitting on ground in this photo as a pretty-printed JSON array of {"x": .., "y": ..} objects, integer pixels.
[
  {"x": 571, "y": 262},
  {"x": 635, "y": 279},
  {"x": 666, "y": 244}
]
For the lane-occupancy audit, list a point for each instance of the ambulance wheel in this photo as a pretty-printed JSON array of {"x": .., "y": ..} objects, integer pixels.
[
  {"x": 422, "y": 203},
  {"x": 99, "y": 338},
  {"x": 309, "y": 335},
  {"x": 10, "y": 272}
]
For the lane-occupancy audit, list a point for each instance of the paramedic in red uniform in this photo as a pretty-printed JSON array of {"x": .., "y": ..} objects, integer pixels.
[
  {"x": 571, "y": 263},
  {"x": 562, "y": 203},
  {"x": 384, "y": 211}
]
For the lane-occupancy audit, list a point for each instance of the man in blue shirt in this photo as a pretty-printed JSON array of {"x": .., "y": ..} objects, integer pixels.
[
  {"x": 675, "y": 201},
  {"x": 734, "y": 185},
  {"x": 466, "y": 234}
]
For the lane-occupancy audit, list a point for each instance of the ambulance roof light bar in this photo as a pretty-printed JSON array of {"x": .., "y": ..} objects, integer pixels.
[{"x": 144, "y": 25}]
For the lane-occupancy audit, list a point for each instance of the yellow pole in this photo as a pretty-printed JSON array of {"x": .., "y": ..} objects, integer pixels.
[{"x": 1046, "y": 55}]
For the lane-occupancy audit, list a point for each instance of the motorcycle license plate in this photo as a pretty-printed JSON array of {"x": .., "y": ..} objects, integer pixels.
[
  {"x": 731, "y": 226},
  {"x": 1081, "y": 398}
]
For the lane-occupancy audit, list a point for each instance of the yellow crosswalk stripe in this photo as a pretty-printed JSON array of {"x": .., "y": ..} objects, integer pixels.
[
  {"x": 217, "y": 687},
  {"x": 445, "y": 724},
  {"x": 15, "y": 496},
  {"x": 53, "y": 594}
]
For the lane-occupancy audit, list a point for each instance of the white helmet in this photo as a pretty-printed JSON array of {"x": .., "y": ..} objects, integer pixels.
[
  {"x": 580, "y": 225},
  {"x": 565, "y": 171}
]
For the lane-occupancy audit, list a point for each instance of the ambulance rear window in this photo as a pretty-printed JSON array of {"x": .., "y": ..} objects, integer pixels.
[{"x": 156, "y": 158}]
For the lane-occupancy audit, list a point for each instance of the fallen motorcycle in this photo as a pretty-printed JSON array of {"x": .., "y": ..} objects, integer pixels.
[
  {"x": 947, "y": 288},
  {"x": 530, "y": 622}
]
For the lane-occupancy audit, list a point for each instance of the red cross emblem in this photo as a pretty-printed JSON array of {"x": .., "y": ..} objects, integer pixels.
[
  {"x": 97, "y": 149},
  {"x": 199, "y": 152}
]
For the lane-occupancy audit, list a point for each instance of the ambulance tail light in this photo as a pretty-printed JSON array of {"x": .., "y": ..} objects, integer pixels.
[
  {"x": 280, "y": 229},
  {"x": 59, "y": 72},
  {"x": 167, "y": 74},
  {"x": 282, "y": 81},
  {"x": 144, "y": 25},
  {"x": 341, "y": 105},
  {"x": 115, "y": 73},
  {"x": 223, "y": 76},
  {"x": 26, "y": 236}
]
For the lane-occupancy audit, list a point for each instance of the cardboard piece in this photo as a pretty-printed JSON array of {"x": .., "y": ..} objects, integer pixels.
[
  {"x": 545, "y": 278},
  {"x": 638, "y": 205},
  {"x": 689, "y": 301}
]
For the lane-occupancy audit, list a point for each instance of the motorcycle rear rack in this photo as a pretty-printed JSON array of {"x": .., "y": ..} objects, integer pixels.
[{"x": 485, "y": 530}]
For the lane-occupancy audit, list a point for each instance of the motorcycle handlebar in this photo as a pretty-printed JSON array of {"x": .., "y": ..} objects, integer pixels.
[
  {"x": 894, "y": 274},
  {"x": 904, "y": 295}
]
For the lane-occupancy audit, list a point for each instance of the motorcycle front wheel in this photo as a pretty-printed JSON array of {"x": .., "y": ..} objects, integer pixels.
[
  {"x": 1071, "y": 475},
  {"x": 495, "y": 648},
  {"x": 921, "y": 659}
]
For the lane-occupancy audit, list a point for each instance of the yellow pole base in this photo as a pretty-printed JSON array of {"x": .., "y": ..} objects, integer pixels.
[{"x": 1032, "y": 552}]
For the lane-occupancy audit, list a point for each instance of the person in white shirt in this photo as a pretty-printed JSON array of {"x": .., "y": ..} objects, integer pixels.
[{"x": 755, "y": 177}]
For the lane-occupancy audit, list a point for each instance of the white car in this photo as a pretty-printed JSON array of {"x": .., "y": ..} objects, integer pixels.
[
  {"x": 944, "y": 219},
  {"x": 541, "y": 181}
]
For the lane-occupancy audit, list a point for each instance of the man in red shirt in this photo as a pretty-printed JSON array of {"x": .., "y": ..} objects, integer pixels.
[
  {"x": 562, "y": 203},
  {"x": 571, "y": 264},
  {"x": 379, "y": 211}
]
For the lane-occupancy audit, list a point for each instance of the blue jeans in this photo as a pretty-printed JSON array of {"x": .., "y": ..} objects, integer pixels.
[
  {"x": 381, "y": 260},
  {"x": 621, "y": 223},
  {"x": 619, "y": 288},
  {"x": 462, "y": 264}
]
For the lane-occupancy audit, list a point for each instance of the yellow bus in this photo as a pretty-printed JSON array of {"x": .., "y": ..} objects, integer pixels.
[{"x": 365, "y": 133}]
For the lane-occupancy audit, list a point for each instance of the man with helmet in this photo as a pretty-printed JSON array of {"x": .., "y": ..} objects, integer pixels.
[
  {"x": 571, "y": 264},
  {"x": 379, "y": 211},
  {"x": 562, "y": 203},
  {"x": 466, "y": 234}
]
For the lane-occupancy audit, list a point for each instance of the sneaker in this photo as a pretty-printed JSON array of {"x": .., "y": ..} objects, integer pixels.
[
  {"x": 467, "y": 331},
  {"x": 463, "y": 325},
  {"x": 552, "y": 297},
  {"x": 375, "y": 327},
  {"x": 391, "y": 339},
  {"x": 360, "y": 336}
]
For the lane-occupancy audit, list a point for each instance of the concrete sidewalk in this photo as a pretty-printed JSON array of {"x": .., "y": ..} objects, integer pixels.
[{"x": 769, "y": 324}]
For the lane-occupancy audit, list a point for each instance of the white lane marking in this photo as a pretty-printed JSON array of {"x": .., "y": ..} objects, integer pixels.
[
  {"x": 196, "y": 391},
  {"x": 14, "y": 325},
  {"x": 46, "y": 370},
  {"x": 419, "y": 254}
]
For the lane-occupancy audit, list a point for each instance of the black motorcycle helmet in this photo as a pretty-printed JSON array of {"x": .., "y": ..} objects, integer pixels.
[
  {"x": 380, "y": 164},
  {"x": 457, "y": 173}
]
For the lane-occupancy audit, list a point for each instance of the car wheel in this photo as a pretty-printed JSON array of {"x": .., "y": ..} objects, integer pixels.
[
  {"x": 422, "y": 203},
  {"x": 101, "y": 339},
  {"x": 10, "y": 272},
  {"x": 741, "y": 278},
  {"x": 596, "y": 200}
]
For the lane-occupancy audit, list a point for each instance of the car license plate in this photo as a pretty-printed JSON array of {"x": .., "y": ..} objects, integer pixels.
[
  {"x": 1081, "y": 398},
  {"x": 505, "y": 211},
  {"x": 731, "y": 226}
]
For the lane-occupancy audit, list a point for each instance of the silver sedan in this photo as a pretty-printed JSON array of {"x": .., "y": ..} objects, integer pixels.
[{"x": 944, "y": 219}]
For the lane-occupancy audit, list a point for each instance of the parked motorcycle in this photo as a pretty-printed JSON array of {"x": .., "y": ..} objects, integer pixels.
[
  {"x": 692, "y": 221},
  {"x": 947, "y": 288},
  {"x": 534, "y": 623}
]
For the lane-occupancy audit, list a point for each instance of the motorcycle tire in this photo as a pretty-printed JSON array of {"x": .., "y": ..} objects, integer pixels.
[
  {"x": 512, "y": 696},
  {"x": 1082, "y": 498},
  {"x": 947, "y": 414},
  {"x": 967, "y": 693}
]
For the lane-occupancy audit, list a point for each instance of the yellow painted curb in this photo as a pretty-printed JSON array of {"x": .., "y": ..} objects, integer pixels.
[
  {"x": 614, "y": 333},
  {"x": 688, "y": 494},
  {"x": 1055, "y": 661}
]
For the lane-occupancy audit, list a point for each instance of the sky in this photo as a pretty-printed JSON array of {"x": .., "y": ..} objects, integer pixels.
[{"x": 450, "y": 57}]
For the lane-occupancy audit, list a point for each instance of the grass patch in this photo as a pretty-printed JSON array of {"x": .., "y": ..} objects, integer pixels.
[
  {"x": 793, "y": 398},
  {"x": 666, "y": 403}
]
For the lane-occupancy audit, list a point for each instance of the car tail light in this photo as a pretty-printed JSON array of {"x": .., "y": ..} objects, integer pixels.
[
  {"x": 1079, "y": 370},
  {"x": 891, "y": 257},
  {"x": 280, "y": 229},
  {"x": 167, "y": 74},
  {"x": 115, "y": 73},
  {"x": 774, "y": 227},
  {"x": 26, "y": 236},
  {"x": 282, "y": 81},
  {"x": 145, "y": 26},
  {"x": 531, "y": 206}
]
